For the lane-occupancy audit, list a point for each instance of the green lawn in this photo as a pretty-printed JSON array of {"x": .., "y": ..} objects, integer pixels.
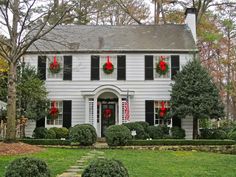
[
  {"x": 145, "y": 163},
  {"x": 58, "y": 160}
]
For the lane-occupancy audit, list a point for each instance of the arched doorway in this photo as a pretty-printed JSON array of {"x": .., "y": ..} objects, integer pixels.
[{"x": 107, "y": 110}]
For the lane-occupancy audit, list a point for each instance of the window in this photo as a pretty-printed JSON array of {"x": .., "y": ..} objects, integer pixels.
[
  {"x": 103, "y": 60},
  {"x": 59, "y": 119},
  {"x": 160, "y": 119},
  {"x": 58, "y": 75},
  {"x": 156, "y": 62}
]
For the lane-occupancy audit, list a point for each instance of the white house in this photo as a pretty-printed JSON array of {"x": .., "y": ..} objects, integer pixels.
[
  {"x": 83, "y": 92},
  {"x": 2, "y": 105}
]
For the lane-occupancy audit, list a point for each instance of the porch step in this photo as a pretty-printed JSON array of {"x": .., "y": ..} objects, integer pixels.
[{"x": 101, "y": 140}]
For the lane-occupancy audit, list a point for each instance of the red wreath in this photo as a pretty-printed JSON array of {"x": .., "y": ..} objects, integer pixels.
[
  {"x": 53, "y": 112},
  {"x": 54, "y": 66},
  {"x": 162, "y": 109},
  {"x": 162, "y": 67},
  {"x": 107, "y": 113},
  {"x": 108, "y": 67}
]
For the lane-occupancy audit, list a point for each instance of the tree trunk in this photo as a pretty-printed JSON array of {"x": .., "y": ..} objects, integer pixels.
[
  {"x": 195, "y": 128},
  {"x": 11, "y": 105}
]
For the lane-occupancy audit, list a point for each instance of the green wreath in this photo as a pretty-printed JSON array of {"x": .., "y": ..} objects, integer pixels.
[
  {"x": 54, "y": 68},
  {"x": 108, "y": 71},
  {"x": 161, "y": 71}
]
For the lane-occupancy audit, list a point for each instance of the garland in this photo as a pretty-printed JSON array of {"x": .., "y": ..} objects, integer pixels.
[
  {"x": 54, "y": 66},
  {"x": 53, "y": 112},
  {"x": 162, "y": 67},
  {"x": 108, "y": 67}
]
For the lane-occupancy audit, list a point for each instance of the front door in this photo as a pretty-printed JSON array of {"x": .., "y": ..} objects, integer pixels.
[{"x": 108, "y": 116}]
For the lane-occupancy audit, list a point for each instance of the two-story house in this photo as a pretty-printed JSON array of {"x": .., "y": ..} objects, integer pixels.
[{"x": 85, "y": 91}]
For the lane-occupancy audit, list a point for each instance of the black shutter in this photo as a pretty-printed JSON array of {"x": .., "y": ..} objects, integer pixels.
[
  {"x": 149, "y": 67},
  {"x": 42, "y": 67},
  {"x": 176, "y": 122},
  {"x": 40, "y": 122},
  {"x": 121, "y": 67},
  {"x": 174, "y": 65},
  {"x": 67, "y": 113},
  {"x": 67, "y": 70},
  {"x": 149, "y": 111},
  {"x": 95, "y": 67}
]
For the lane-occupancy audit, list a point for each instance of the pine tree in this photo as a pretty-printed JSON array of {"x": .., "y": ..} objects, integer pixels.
[{"x": 194, "y": 94}]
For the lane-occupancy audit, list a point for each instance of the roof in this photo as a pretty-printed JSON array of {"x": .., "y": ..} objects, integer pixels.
[{"x": 84, "y": 38}]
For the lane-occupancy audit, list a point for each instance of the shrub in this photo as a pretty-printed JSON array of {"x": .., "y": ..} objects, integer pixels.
[
  {"x": 105, "y": 168},
  {"x": 141, "y": 134},
  {"x": 165, "y": 130},
  {"x": 232, "y": 135},
  {"x": 155, "y": 132},
  {"x": 40, "y": 132},
  {"x": 145, "y": 125},
  {"x": 61, "y": 132},
  {"x": 218, "y": 134},
  {"x": 177, "y": 133},
  {"x": 206, "y": 133},
  {"x": 46, "y": 141},
  {"x": 51, "y": 134},
  {"x": 26, "y": 166},
  {"x": 117, "y": 135},
  {"x": 85, "y": 134}
]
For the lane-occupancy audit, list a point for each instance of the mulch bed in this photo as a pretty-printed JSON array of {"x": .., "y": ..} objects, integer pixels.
[{"x": 18, "y": 148}]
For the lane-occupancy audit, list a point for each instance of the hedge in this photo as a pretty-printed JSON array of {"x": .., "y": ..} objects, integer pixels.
[
  {"x": 179, "y": 142},
  {"x": 46, "y": 141}
]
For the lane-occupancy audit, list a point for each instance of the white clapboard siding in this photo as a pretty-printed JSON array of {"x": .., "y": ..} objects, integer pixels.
[
  {"x": 158, "y": 89},
  {"x": 31, "y": 124},
  {"x": 187, "y": 125}
]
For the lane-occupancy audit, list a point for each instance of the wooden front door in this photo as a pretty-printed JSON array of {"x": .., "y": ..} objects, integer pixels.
[{"x": 108, "y": 117}]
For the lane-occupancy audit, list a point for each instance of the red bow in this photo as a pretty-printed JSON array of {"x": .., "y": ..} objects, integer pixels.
[
  {"x": 109, "y": 65},
  {"x": 162, "y": 65},
  {"x": 162, "y": 109},
  {"x": 54, "y": 110},
  {"x": 107, "y": 113}
]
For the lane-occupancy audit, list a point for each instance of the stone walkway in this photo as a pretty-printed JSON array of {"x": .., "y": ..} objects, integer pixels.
[{"x": 77, "y": 169}]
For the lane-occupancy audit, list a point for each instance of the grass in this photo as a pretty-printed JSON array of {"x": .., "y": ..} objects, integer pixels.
[
  {"x": 58, "y": 160},
  {"x": 144, "y": 163},
  {"x": 175, "y": 163}
]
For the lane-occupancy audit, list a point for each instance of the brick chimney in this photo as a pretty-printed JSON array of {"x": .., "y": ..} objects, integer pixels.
[{"x": 190, "y": 20}]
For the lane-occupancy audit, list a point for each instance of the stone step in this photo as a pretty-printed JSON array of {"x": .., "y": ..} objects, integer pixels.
[
  {"x": 77, "y": 167},
  {"x": 68, "y": 174},
  {"x": 74, "y": 170}
]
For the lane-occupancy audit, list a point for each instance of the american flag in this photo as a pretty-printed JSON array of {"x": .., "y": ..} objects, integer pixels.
[{"x": 126, "y": 107}]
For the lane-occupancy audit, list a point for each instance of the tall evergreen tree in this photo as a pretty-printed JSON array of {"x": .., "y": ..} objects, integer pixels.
[{"x": 194, "y": 94}]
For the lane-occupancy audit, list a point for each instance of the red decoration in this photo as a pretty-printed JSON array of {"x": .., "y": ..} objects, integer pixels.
[
  {"x": 107, "y": 113},
  {"x": 162, "y": 109},
  {"x": 108, "y": 66},
  {"x": 162, "y": 67},
  {"x": 54, "y": 110},
  {"x": 55, "y": 66}
]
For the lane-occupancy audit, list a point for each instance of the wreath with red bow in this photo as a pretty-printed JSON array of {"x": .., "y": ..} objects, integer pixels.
[
  {"x": 108, "y": 67},
  {"x": 162, "y": 67},
  {"x": 107, "y": 113},
  {"x": 53, "y": 112},
  {"x": 54, "y": 66},
  {"x": 163, "y": 110}
]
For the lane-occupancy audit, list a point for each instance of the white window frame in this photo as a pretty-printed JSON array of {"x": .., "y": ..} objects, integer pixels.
[
  {"x": 103, "y": 59},
  {"x": 156, "y": 59},
  {"x": 49, "y": 59},
  {"x": 60, "y": 115},
  {"x": 157, "y": 106}
]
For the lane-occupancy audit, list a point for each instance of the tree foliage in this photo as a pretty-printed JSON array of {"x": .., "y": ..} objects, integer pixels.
[{"x": 194, "y": 94}]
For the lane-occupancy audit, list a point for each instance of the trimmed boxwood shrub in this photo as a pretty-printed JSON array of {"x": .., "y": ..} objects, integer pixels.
[
  {"x": 218, "y": 134},
  {"x": 26, "y": 166},
  {"x": 45, "y": 141},
  {"x": 165, "y": 130},
  {"x": 206, "y": 133},
  {"x": 85, "y": 134},
  {"x": 155, "y": 132},
  {"x": 177, "y": 133},
  {"x": 117, "y": 135},
  {"x": 141, "y": 134},
  {"x": 60, "y": 132},
  {"x": 232, "y": 135},
  {"x": 51, "y": 134},
  {"x": 105, "y": 168},
  {"x": 143, "y": 124},
  {"x": 40, "y": 132}
]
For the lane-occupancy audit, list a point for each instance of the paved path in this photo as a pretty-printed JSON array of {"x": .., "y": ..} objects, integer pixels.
[{"x": 77, "y": 169}]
